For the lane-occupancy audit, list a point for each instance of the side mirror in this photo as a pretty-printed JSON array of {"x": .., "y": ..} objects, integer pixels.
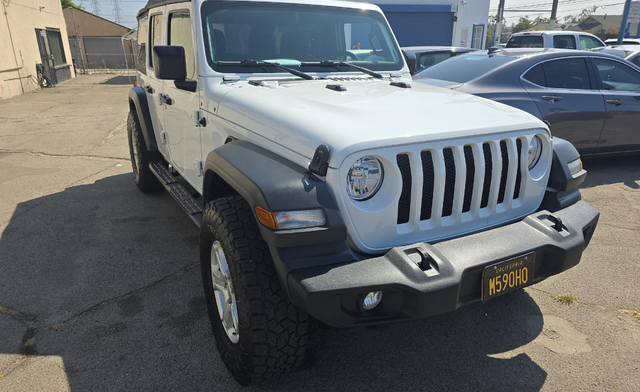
[{"x": 169, "y": 62}]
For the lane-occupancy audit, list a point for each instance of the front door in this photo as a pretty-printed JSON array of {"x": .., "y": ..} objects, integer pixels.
[
  {"x": 620, "y": 87},
  {"x": 46, "y": 57},
  {"x": 181, "y": 115},
  {"x": 568, "y": 100}
]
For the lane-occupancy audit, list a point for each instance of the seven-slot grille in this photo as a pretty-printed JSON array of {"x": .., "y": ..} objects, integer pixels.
[{"x": 461, "y": 180}]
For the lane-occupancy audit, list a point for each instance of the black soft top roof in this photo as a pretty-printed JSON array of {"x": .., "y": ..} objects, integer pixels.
[{"x": 158, "y": 3}]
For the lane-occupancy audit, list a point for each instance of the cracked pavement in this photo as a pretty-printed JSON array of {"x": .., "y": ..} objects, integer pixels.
[{"x": 100, "y": 286}]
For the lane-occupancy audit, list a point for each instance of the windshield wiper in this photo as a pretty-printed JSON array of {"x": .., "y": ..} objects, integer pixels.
[
  {"x": 338, "y": 64},
  {"x": 260, "y": 64}
]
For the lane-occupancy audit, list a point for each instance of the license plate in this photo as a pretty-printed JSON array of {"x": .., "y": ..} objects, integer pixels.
[{"x": 507, "y": 276}]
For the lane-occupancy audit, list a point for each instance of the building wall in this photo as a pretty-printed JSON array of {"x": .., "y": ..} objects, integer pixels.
[
  {"x": 468, "y": 13},
  {"x": 96, "y": 42},
  {"x": 19, "y": 51},
  {"x": 89, "y": 25}
]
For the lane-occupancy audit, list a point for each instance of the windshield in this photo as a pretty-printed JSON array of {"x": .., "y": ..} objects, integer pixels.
[
  {"x": 464, "y": 68},
  {"x": 290, "y": 34}
]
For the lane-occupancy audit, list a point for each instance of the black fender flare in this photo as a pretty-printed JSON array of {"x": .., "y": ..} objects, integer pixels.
[
  {"x": 138, "y": 100},
  {"x": 272, "y": 182},
  {"x": 562, "y": 188}
]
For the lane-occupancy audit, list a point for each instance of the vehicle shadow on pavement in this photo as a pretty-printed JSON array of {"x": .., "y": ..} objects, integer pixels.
[
  {"x": 100, "y": 283},
  {"x": 602, "y": 171}
]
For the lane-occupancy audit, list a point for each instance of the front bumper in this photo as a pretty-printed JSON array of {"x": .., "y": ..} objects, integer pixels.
[{"x": 423, "y": 280}]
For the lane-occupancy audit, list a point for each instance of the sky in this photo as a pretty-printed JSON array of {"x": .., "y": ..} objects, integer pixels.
[{"x": 566, "y": 7}]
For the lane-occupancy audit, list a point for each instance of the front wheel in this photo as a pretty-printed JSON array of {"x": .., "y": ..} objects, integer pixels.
[{"x": 258, "y": 332}]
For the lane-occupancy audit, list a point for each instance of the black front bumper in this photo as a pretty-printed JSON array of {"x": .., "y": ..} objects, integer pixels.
[{"x": 423, "y": 280}]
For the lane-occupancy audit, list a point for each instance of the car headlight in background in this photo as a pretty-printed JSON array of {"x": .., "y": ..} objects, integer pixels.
[
  {"x": 364, "y": 178},
  {"x": 535, "y": 151}
]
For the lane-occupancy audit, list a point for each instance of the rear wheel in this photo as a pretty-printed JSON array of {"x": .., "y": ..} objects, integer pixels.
[
  {"x": 141, "y": 157},
  {"x": 258, "y": 332}
]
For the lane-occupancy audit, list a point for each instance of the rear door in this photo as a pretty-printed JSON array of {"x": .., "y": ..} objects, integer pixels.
[
  {"x": 620, "y": 87},
  {"x": 153, "y": 86},
  {"x": 568, "y": 99}
]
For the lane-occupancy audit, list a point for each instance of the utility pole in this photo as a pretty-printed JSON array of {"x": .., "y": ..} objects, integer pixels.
[
  {"x": 554, "y": 11},
  {"x": 623, "y": 22},
  {"x": 496, "y": 39}
]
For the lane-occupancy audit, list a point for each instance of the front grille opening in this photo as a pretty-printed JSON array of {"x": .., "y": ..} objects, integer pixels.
[
  {"x": 505, "y": 171},
  {"x": 428, "y": 182},
  {"x": 450, "y": 182},
  {"x": 471, "y": 174},
  {"x": 404, "y": 204},
  {"x": 516, "y": 191},
  {"x": 488, "y": 169}
]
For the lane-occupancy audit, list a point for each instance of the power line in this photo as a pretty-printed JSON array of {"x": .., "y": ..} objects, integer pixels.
[
  {"x": 95, "y": 5},
  {"x": 117, "y": 12}
]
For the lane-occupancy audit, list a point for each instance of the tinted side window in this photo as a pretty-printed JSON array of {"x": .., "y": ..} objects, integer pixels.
[
  {"x": 587, "y": 42},
  {"x": 514, "y": 42},
  {"x": 155, "y": 38},
  {"x": 429, "y": 59},
  {"x": 617, "y": 76},
  {"x": 180, "y": 35},
  {"x": 564, "y": 41},
  {"x": 536, "y": 76},
  {"x": 636, "y": 61},
  {"x": 525, "y": 41},
  {"x": 567, "y": 73}
]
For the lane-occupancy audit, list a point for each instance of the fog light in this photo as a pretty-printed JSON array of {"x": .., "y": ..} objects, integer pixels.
[{"x": 372, "y": 300}]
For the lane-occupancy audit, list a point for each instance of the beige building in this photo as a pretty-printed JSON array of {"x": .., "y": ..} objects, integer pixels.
[
  {"x": 32, "y": 32},
  {"x": 96, "y": 42}
]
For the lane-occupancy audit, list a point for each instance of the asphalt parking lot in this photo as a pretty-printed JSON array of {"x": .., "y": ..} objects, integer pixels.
[{"x": 100, "y": 287}]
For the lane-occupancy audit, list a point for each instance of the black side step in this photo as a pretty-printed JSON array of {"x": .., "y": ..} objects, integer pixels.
[{"x": 179, "y": 192}]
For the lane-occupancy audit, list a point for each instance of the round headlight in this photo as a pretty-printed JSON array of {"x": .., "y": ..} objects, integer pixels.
[
  {"x": 364, "y": 178},
  {"x": 535, "y": 150}
]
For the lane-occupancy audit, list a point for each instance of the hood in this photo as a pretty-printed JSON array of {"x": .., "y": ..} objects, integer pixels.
[{"x": 301, "y": 115}]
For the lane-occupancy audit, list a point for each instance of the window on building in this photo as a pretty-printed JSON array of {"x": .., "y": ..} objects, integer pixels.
[
  {"x": 180, "y": 35},
  {"x": 478, "y": 36},
  {"x": 55, "y": 46}
]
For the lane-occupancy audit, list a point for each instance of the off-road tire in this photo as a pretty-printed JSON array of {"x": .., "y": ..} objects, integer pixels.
[
  {"x": 273, "y": 333},
  {"x": 145, "y": 179}
]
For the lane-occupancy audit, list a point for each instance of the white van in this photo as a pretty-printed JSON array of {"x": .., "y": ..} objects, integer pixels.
[{"x": 554, "y": 39}]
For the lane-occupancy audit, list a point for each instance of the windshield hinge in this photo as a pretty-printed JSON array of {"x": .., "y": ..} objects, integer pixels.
[
  {"x": 320, "y": 162},
  {"x": 231, "y": 79}
]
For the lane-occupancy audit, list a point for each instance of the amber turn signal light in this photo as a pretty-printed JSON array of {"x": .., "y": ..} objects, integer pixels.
[{"x": 267, "y": 218}]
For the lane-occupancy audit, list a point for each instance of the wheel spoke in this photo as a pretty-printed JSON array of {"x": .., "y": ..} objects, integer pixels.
[{"x": 219, "y": 282}]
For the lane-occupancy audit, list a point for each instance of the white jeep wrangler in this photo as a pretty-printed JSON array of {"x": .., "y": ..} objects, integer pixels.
[{"x": 326, "y": 184}]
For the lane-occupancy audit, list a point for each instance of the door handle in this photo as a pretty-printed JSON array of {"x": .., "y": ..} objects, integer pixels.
[
  {"x": 551, "y": 98},
  {"x": 148, "y": 89},
  {"x": 164, "y": 98},
  {"x": 615, "y": 102}
]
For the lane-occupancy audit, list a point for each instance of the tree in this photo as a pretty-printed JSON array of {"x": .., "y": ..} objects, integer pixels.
[
  {"x": 584, "y": 14},
  {"x": 524, "y": 23},
  {"x": 70, "y": 3},
  {"x": 540, "y": 20}
]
